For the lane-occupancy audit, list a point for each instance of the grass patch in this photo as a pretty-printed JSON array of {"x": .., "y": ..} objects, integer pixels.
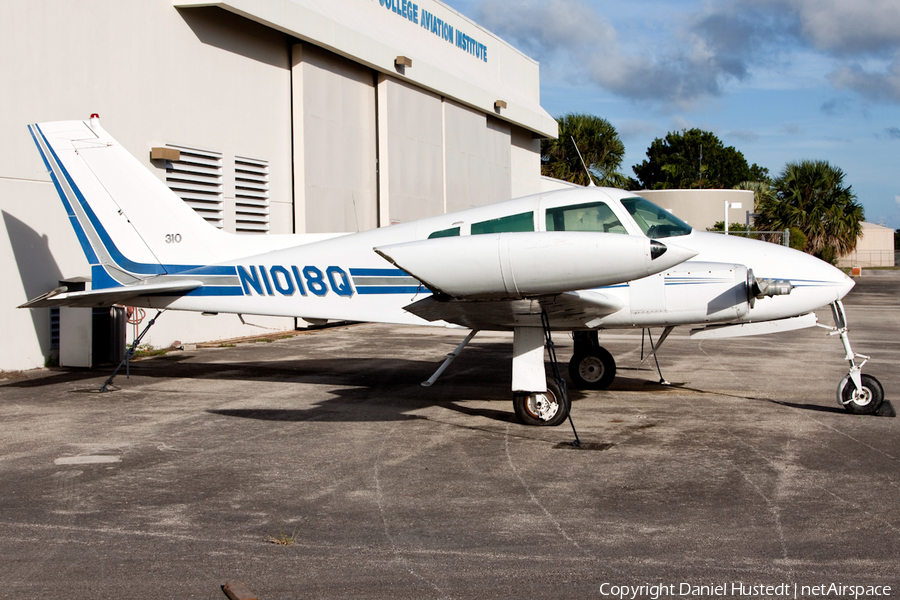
[
  {"x": 146, "y": 350},
  {"x": 10, "y": 375},
  {"x": 226, "y": 346},
  {"x": 283, "y": 539}
]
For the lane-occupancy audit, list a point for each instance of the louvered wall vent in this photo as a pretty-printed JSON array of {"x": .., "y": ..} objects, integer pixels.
[
  {"x": 197, "y": 179},
  {"x": 251, "y": 195}
]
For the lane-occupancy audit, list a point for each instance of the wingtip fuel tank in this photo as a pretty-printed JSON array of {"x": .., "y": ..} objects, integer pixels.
[{"x": 519, "y": 265}]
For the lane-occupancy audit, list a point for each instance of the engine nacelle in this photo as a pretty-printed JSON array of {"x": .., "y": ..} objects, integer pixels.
[{"x": 528, "y": 264}]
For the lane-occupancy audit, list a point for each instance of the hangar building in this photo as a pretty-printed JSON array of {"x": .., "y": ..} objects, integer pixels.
[{"x": 265, "y": 116}]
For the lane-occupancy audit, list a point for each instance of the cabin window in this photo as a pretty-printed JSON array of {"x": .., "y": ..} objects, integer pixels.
[
  {"x": 596, "y": 216},
  {"x": 453, "y": 231},
  {"x": 520, "y": 222},
  {"x": 654, "y": 221}
]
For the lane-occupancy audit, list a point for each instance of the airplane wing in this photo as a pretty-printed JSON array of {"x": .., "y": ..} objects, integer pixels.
[
  {"x": 570, "y": 309},
  {"x": 109, "y": 296}
]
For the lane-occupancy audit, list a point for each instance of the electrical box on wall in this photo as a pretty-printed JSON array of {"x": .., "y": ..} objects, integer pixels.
[{"x": 90, "y": 337}]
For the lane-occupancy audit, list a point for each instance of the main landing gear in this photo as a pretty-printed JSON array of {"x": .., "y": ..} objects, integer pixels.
[
  {"x": 536, "y": 401},
  {"x": 591, "y": 366},
  {"x": 541, "y": 408},
  {"x": 859, "y": 394}
]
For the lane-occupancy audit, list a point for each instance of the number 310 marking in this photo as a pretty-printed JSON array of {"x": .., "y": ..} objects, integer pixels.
[{"x": 173, "y": 238}]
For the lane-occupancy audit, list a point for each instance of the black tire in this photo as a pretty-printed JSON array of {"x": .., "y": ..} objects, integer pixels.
[
  {"x": 545, "y": 409},
  {"x": 592, "y": 368},
  {"x": 866, "y": 402}
]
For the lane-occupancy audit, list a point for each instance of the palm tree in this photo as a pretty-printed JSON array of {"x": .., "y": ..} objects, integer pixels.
[
  {"x": 811, "y": 196},
  {"x": 762, "y": 192},
  {"x": 600, "y": 147}
]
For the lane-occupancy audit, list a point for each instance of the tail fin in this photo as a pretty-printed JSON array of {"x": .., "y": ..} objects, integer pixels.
[{"x": 130, "y": 225}]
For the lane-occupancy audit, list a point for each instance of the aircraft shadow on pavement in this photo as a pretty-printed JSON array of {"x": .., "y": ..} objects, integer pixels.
[{"x": 377, "y": 388}]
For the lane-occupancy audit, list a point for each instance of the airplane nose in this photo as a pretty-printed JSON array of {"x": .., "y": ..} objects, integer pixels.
[
  {"x": 845, "y": 286},
  {"x": 674, "y": 254},
  {"x": 821, "y": 282}
]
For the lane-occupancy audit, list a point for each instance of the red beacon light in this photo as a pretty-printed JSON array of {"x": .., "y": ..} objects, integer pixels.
[{"x": 95, "y": 120}]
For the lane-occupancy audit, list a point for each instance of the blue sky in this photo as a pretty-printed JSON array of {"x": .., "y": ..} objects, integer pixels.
[{"x": 780, "y": 80}]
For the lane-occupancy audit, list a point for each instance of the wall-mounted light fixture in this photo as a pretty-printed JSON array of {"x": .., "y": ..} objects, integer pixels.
[
  {"x": 165, "y": 154},
  {"x": 498, "y": 104},
  {"x": 403, "y": 61}
]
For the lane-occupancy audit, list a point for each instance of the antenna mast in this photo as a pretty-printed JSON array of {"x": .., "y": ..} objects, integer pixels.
[
  {"x": 590, "y": 179},
  {"x": 701, "y": 166}
]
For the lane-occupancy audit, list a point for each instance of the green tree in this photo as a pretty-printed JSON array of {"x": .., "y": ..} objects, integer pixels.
[
  {"x": 600, "y": 147},
  {"x": 762, "y": 191},
  {"x": 811, "y": 196},
  {"x": 733, "y": 227},
  {"x": 694, "y": 158}
]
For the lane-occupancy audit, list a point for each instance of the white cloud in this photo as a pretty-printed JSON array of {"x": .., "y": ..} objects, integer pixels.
[
  {"x": 849, "y": 27},
  {"x": 744, "y": 135},
  {"x": 705, "y": 46},
  {"x": 571, "y": 35},
  {"x": 748, "y": 32},
  {"x": 877, "y": 86}
]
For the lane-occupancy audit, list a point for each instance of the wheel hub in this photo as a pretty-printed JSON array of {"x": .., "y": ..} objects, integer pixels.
[
  {"x": 861, "y": 397},
  {"x": 542, "y": 405},
  {"x": 591, "y": 369}
]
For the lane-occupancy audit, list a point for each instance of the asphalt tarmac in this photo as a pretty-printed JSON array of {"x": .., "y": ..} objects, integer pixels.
[{"x": 743, "y": 473}]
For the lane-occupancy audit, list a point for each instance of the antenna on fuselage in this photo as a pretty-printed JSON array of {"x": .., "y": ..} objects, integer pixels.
[{"x": 590, "y": 179}]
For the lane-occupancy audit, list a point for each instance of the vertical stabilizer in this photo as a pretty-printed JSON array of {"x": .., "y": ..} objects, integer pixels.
[{"x": 130, "y": 225}]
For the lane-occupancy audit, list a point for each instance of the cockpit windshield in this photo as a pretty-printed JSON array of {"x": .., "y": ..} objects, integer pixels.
[{"x": 654, "y": 221}]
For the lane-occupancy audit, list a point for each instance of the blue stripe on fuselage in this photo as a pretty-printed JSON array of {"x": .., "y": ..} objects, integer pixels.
[
  {"x": 86, "y": 247},
  {"x": 120, "y": 259}
]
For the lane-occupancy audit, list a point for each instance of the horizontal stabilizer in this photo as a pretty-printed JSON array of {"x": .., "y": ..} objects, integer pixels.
[
  {"x": 110, "y": 296},
  {"x": 760, "y": 328}
]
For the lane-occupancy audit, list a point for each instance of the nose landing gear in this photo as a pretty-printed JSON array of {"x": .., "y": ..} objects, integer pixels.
[{"x": 859, "y": 394}]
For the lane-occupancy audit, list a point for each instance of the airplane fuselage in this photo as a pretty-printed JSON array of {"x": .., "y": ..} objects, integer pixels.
[{"x": 342, "y": 278}]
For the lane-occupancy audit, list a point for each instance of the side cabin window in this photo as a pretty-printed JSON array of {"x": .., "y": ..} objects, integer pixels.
[
  {"x": 452, "y": 232},
  {"x": 654, "y": 221},
  {"x": 596, "y": 216},
  {"x": 520, "y": 222}
]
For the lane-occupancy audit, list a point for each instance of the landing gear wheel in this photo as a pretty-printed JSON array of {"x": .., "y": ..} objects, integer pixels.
[
  {"x": 861, "y": 402},
  {"x": 592, "y": 368},
  {"x": 541, "y": 408}
]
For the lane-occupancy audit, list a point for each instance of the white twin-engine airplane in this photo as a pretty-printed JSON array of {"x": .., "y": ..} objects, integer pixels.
[{"x": 575, "y": 260}]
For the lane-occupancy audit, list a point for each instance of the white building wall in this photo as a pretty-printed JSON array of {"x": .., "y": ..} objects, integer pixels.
[
  {"x": 477, "y": 162},
  {"x": 874, "y": 248},
  {"x": 524, "y": 163},
  {"x": 36, "y": 242},
  {"x": 202, "y": 77},
  {"x": 338, "y": 168},
  {"x": 351, "y": 141},
  {"x": 411, "y": 152},
  {"x": 702, "y": 209}
]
